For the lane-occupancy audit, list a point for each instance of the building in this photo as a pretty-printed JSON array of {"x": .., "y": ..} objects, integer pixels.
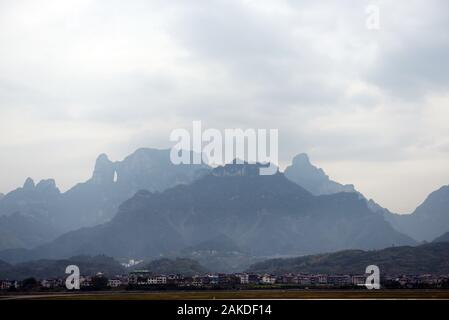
[
  {"x": 287, "y": 278},
  {"x": 253, "y": 278},
  {"x": 161, "y": 279},
  {"x": 358, "y": 280},
  {"x": 303, "y": 280},
  {"x": 51, "y": 283},
  {"x": 114, "y": 283},
  {"x": 85, "y": 282},
  {"x": 268, "y": 279},
  {"x": 174, "y": 278},
  {"x": 138, "y": 277},
  {"x": 320, "y": 279},
  {"x": 339, "y": 280},
  {"x": 6, "y": 284},
  {"x": 213, "y": 278},
  {"x": 145, "y": 277},
  {"x": 244, "y": 278}
]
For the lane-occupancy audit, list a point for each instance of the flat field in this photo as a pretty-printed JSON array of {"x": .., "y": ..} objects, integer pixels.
[{"x": 237, "y": 294}]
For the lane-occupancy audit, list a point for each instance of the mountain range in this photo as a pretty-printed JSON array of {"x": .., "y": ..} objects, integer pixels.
[
  {"x": 144, "y": 207},
  {"x": 429, "y": 220},
  {"x": 266, "y": 215},
  {"x": 89, "y": 203}
]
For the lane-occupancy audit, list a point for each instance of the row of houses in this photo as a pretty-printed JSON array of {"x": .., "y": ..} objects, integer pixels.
[
  {"x": 144, "y": 278},
  {"x": 417, "y": 280}
]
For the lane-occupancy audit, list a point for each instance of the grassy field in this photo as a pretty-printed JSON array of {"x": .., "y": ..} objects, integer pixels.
[{"x": 241, "y": 294}]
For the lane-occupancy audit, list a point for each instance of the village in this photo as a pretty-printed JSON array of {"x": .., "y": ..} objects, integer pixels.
[{"x": 146, "y": 280}]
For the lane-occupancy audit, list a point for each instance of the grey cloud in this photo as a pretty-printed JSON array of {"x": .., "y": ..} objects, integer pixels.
[
  {"x": 128, "y": 73},
  {"x": 412, "y": 61}
]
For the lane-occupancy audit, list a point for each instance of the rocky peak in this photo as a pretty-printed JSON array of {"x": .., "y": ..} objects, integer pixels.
[
  {"x": 313, "y": 179},
  {"x": 301, "y": 159},
  {"x": 104, "y": 170},
  {"x": 47, "y": 186},
  {"x": 29, "y": 184}
]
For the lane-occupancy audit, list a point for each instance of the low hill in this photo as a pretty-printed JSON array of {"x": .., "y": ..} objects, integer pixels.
[
  {"x": 44, "y": 269},
  {"x": 429, "y": 258}
]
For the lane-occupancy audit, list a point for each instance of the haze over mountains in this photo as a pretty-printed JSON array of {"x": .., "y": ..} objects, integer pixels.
[
  {"x": 313, "y": 179},
  {"x": 429, "y": 220},
  {"x": 146, "y": 207},
  {"x": 266, "y": 215},
  {"x": 443, "y": 238},
  {"x": 90, "y": 203}
]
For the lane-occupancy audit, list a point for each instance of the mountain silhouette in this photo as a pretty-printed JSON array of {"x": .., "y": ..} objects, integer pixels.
[
  {"x": 429, "y": 220},
  {"x": 443, "y": 238},
  {"x": 313, "y": 179},
  {"x": 267, "y": 215},
  {"x": 89, "y": 203}
]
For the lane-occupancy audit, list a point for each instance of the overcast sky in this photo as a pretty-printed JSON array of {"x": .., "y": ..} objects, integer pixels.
[{"x": 371, "y": 107}]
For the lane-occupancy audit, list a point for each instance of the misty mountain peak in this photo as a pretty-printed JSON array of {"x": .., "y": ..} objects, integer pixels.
[
  {"x": 104, "y": 170},
  {"x": 313, "y": 179},
  {"x": 47, "y": 186},
  {"x": 429, "y": 220},
  {"x": 103, "y": 157},
  {"x": 301, "y": 159},
  {"x": 29, "y": 184}
]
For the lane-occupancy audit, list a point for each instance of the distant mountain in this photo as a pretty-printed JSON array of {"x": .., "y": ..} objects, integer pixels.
[
  {"x": 267, "y": 215},
  {"x": 31, "y": 200},
  {"x": 4, "y": 265},
  {"x": 317, "y": 182},
  {"x": 23, "y": 231},
  {"x": 430, "y": 258},
  {"x": 443, "y": 238},
  {"x": 27, "y": 215},
  {"x": 186, "y": 267},
  {"x": 92, "y": 202},
  {"x": 1, "y": 195},
  {"x": 114, "y": 182},
  {"x": 313, "y": 179},
  {"x": 45, "y": 269},
  {"x": 429, "y": 220}
]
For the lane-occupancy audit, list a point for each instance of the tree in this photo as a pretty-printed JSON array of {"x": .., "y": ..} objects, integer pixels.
[
  {"x": 30, "y": 284},
  {"x": 99, "y": 282}
]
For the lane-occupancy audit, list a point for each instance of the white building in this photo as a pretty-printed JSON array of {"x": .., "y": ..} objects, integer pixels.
[
  {"x": 244, "y": 278},
  {"x": 268, "y": 279}
]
